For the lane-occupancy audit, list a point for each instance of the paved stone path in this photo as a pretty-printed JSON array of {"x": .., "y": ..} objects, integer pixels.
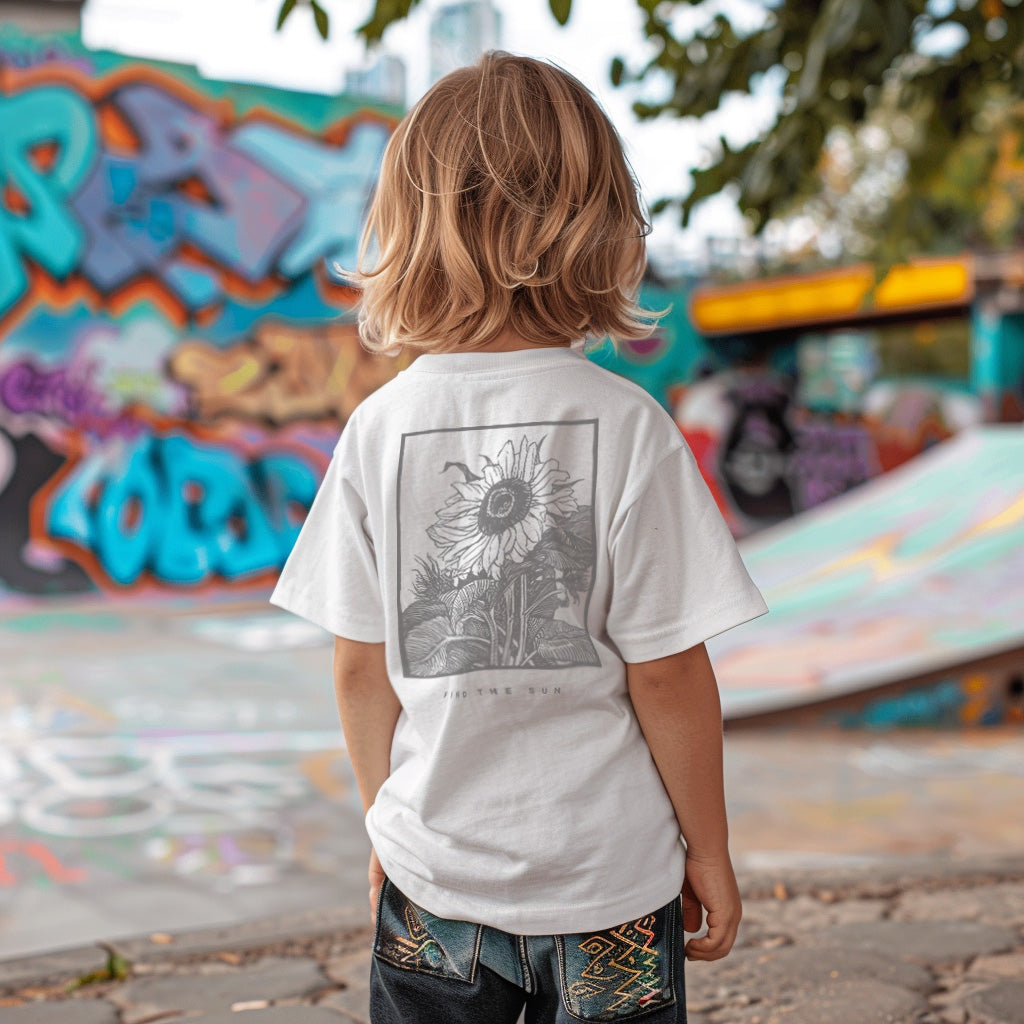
[{"x": 939, "y": 945}]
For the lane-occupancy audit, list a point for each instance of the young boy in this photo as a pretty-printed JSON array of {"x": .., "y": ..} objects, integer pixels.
[{"x": 521, "y": 564}]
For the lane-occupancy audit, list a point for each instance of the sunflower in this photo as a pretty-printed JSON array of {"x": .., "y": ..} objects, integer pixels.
[{"x": 501, "y": 515}]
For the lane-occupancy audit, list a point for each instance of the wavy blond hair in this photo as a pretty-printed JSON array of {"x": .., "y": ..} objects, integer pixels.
[{"x": 504, "y": 202}]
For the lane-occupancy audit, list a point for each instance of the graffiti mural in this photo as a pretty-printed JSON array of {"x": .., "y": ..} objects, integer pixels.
[
  {"x": 974, "y": 697},
  {"x": 783, "y": 426},
  {"x": 135, "y": 181},
  {"x": 280, "y": 375},
  {"x": 763, "y": 455},
  {"x": 176, "y": 361}
]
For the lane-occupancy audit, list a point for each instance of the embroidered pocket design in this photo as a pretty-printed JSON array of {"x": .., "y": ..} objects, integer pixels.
[
  {"x": 621, "y": 973},
  {"x": 410, "y": 938}
]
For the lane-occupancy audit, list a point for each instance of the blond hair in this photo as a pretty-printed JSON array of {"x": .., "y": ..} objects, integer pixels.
[{"x": 504, "y": 202}]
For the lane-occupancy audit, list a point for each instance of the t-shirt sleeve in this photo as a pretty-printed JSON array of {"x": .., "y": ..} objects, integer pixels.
[
  {"x": 330, "y": 577},
  {"x": 678, "y": 579}
]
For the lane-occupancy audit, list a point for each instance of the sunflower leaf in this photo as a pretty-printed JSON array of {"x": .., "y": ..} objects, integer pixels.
[
  {"x": 421, "y": 611},
  {"x": 562, "y": 643},
  {"x": 432, "y": 649},
  {"x": 470, "y": 597},
  {"x": 430, "y": 580},
  {"x": 475, "y": 626}
]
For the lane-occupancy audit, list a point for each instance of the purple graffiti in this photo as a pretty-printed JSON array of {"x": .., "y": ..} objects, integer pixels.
[
  {"x": 829, "y": 460},
  {"x": 187, "y": 184},
  {"x": 66, "y": 395},
  {"x": 59, "y": 393}
]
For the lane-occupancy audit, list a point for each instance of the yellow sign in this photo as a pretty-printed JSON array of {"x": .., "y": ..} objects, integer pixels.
[{"x": 833, "y": 295}]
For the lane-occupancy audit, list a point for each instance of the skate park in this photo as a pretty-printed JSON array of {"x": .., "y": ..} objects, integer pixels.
[{"x": 171, "y": 758}]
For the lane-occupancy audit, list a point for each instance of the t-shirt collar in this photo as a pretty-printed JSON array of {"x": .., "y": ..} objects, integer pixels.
[{"x": 512, "y": 361}]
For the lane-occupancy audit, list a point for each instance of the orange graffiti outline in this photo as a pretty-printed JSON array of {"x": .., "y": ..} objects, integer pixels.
[{"x": 43, "y": 289}]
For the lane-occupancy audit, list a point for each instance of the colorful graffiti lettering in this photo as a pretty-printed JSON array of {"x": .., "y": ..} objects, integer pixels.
[
  {"x": 281, "y": 374},
  {"x": 930, "y": 706},
  {"x": 181, "y": 509},
  {"x": 173, "y": 367},
  {"x": 47, "y": 148},
  {"x": 765, "y": 457},
  {"x": 829, "y": 459},
  {"x": 126, "y": 181},
  {"x": 60, "y": 393}
]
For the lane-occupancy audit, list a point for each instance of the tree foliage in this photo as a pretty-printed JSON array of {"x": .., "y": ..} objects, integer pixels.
[
  {"x": 942, "y": 80},
  {"x": 387, "y": 12},
  {"x": 939, "y": 78}
]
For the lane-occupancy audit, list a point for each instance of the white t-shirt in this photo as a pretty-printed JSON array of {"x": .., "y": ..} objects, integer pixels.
[{"x": 515, "y": 526}]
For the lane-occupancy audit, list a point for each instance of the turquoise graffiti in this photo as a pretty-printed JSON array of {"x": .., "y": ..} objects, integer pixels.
[
  {"x": 183, "y": 511},
  {"x": 41, "y": 226},
  {"x": 177, "y": 346}
]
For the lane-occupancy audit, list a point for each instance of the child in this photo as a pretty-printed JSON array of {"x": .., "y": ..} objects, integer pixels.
[{"x": 521, "y": 564}]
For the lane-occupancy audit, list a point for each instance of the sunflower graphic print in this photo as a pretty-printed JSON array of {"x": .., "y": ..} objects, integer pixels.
[{"x": 496, "y": 547}]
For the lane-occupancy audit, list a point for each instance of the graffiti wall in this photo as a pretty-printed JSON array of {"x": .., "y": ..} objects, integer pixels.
[
  {"x": 975, "y": 696},
  {"x": 787, "y": 427},
  {"x": 176, "y": 357},
  {"x": 782, "y": 424}
]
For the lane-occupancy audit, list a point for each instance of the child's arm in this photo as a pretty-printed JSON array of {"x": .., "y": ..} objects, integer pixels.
[
  {"x": 369, "y": 712},
  {"x": 677, "y": 704}
]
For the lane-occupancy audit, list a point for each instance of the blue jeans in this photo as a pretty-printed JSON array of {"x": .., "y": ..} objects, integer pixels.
[{"x": 429, "y": 970}]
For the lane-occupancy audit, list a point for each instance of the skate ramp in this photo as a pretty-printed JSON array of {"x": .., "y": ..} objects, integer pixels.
[{"x": 916, "y": 571}]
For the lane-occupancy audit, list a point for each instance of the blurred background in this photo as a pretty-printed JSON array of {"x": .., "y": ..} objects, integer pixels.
[{"x": 837, "y": 194}]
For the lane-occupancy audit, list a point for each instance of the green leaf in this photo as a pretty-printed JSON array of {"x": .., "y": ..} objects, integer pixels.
[
  {"x": 385, "y": 13},
  {"x": 561, "y": 9},
  {"x": 286, "y": 8},
  {"x": 321, "y": 19},
  {"x": 618, "y": 69}
]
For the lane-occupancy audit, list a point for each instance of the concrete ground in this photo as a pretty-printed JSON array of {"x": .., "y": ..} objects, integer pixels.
[
  {"x": 921, "y": 945},
  {"x": 164, "y": 769}
]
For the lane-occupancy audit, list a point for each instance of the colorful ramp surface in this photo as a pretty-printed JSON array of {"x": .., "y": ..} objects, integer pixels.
[{"x": 917, "y": 571}]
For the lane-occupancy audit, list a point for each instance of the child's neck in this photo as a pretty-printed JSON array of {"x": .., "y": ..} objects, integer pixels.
[{"x": 509, "y": 341}]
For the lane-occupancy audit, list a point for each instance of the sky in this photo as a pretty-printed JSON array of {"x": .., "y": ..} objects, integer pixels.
[{"x": 236, "y": 39}]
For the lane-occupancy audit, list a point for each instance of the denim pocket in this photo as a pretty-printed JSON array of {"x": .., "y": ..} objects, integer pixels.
[
  {"x": 623, "y": 972},
  {"x": 410, "y": 938}
]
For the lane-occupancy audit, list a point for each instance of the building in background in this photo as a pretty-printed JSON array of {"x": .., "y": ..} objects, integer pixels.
[
  {"x": 384, "y": 81},
  {"x": 460, "y": 33}
]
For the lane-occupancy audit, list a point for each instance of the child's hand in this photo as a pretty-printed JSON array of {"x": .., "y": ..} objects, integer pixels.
[
  {"x": 376, "y": 879},
  {"x": 710, "y": 885}
]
